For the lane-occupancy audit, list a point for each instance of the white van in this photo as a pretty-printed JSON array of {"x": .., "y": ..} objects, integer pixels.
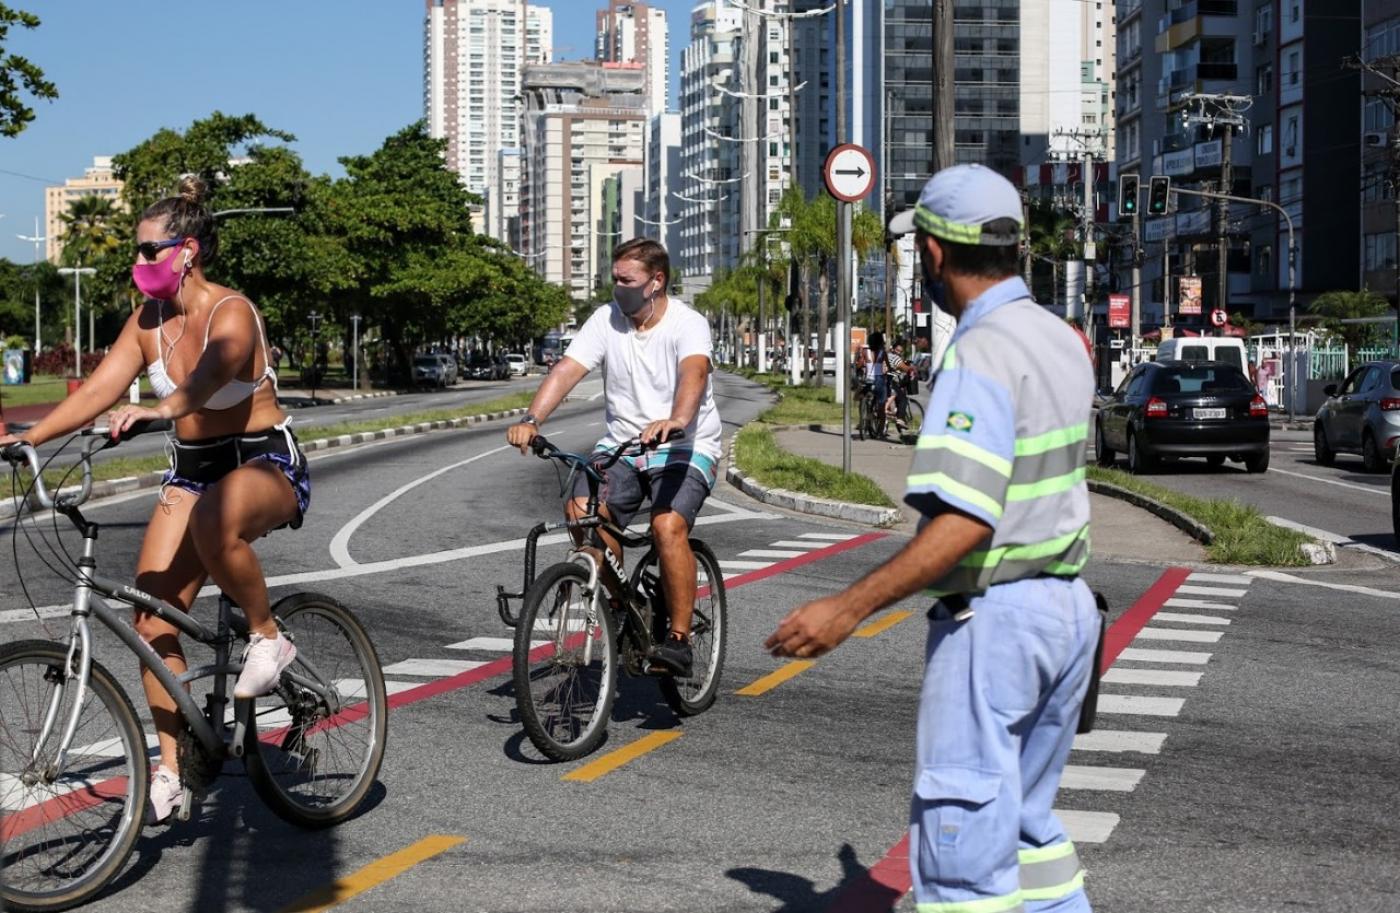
[{"x": 1229, "y": 349}]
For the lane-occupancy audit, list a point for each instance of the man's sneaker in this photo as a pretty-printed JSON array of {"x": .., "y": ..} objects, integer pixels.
[
  {"x": 166, "y": 795},
  {"x": 263, "y": 663},
  {"x": 673, "y": 655}
]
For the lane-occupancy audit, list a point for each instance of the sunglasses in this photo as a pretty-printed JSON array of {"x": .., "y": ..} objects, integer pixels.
[{"x": 149, "y": 249}]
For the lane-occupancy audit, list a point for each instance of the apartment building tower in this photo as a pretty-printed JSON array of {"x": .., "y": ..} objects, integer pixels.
[
  {"x": 97, "y": 181},
  {"x": 636, "y": 33}
]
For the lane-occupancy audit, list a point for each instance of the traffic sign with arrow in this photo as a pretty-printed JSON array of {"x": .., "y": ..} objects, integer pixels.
[{"x": 849, "y": 172}]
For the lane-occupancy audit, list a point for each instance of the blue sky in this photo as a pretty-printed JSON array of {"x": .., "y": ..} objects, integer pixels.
[{"x": 339, "y": 76}]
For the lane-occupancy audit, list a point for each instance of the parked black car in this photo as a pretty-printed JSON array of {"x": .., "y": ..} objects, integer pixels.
[{"x": 1184, "y": 409}]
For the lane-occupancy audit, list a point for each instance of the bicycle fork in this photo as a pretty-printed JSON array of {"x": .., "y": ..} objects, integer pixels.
[{"x": 79, "y": 653}]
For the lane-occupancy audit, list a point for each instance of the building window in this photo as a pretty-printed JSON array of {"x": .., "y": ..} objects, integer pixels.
[
  {"x": 1264, "y": 139},
  {"x": 1264, "y": 19},
  {"x": 1264, "y": 260},
  {"x": 1375, "y": 182},
  {"x": 1380, "y": 251},
  {"x": 1265, "y": 81}
]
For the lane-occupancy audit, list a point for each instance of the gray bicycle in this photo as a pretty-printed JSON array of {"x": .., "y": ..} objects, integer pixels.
[{"x": 75, "y": 762}]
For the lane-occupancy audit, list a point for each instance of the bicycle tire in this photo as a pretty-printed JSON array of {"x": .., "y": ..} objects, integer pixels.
[
  {"x": 709, "y": 633},
  {"x": 108, "y": 779},
  {"x": 862, "y": 416},
  {"x": 915, "y": 412},
  {"x": 298, "y": 750},
  {"x": 567, "y": 719}
]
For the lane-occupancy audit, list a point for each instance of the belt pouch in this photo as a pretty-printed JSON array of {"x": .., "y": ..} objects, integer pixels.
[{"x": 1090, "y": 708}]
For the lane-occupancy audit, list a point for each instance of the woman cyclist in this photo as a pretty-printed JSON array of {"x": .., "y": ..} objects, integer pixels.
[{"x": 236, "y": 470}]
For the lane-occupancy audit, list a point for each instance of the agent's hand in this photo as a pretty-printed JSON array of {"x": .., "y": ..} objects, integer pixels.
[
  {"x": 521, "y": 434},
  {"x": 119, "y": 420},
  {"x": 813, "y": 629},
  {"x": 658, "y": 432}
]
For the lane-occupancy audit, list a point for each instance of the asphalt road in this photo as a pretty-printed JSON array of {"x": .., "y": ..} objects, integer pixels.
[{"x": 1266, "y": 783}]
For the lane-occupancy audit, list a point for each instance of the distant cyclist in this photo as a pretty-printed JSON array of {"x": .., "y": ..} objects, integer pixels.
[
  {"x": 656, "y": 356},
  {"x": 236, "y": 470}
]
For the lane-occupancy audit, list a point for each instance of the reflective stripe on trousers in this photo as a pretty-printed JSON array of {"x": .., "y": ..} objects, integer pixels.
[{"x": 1050, "y": 872}]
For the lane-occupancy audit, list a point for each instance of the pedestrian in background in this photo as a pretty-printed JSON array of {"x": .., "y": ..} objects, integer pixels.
[{"x": 999, "y": 479}]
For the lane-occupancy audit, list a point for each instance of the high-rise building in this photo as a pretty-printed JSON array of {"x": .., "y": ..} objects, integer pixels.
[
  {"x": 636, "y": 33},
  {"x": 474, "y": 53},
  {"x": 619, "y": 205},
  {"x": 583, "y": 123},
  {"x": 1379, "y": 260},
  {"x": 503, "y": 199},
  {"x": 97, "y": 181},
  {"x": 1172, "y": 58},
  {"x": 658, "y": 217}
]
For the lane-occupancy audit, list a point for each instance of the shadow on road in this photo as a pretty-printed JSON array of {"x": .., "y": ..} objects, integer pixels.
[{"x": 799, "y": 895}]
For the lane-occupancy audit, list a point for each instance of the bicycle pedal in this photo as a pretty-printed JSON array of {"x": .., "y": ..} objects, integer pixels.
[{"x": 188, "y": 803}]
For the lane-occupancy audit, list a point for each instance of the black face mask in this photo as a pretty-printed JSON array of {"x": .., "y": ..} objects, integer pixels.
[{"x": 933, "y": 288}]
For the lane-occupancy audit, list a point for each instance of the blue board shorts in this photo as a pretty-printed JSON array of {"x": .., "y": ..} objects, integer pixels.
[{"x": 674, "y": 480}]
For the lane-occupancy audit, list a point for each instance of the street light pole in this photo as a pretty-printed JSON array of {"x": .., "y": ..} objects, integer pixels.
[
  {"x": 37, "y": 239},
  {"x": 315, "y": 318},
  {"x": 355, "y": 322},
  {"x": 77, "y": 273}
]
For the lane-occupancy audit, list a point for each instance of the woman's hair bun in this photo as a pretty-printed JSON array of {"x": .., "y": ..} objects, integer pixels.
[{"x": 191, "y": 189}]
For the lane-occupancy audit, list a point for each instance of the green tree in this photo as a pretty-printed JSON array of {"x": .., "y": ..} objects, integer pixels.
[
  {"x": 19, "y": 76},
  {"x": 1334, "y": 307},
  {"x": 1052, "y": 235}
]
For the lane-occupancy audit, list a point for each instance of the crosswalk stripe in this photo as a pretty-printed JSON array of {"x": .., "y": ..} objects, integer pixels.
[
  {"x": 1141, "y": 655},
  {"x": 1190, "y": 590},
  {"x": 432, "y": 668},
  {"x": 490, "y": 644},
  {"x": 792, "y": 543},
  {"x": 1198, "y": 637},
  {"x": 355, "y": 687},
  {"x": 744, "y": 565},
  {"x": 1087, "y": 827},
  {"x": 548, "y": 626},
  {"x": 1140, "y": 706},
  {"x": 1118, "y": 740},
  {"x": 770, "y": 553},
  {"x": 1199, "y": 604},
  {"x": 1236, "y": 579},
  {"x": 1106, "y": 779},
  {"x": 831, "y": 537},
  {"x": 1188, "y": 619},
  {"x": 1165, "y": 677}
]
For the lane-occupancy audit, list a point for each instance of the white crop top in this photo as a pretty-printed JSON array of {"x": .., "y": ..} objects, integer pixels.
[{"x": 231, "y": 393}]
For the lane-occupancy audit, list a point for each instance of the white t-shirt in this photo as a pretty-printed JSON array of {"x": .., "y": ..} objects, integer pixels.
[{"x": 642, "y": 370}]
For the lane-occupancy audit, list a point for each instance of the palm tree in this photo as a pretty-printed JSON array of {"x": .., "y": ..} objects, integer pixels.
[
  {"x": 94, "y": 230},
  {"x": 1052, "y": 237}
]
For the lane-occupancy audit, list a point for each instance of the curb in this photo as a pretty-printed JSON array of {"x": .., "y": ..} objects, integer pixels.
[
  {"x": 1316, "y": 552},
  {"x": 351, "y": 399},
  {"x": 807, "y": 504},
  {"x": 9, "y": 507}
]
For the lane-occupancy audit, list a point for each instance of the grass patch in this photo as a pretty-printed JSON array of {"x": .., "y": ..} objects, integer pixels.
[
  {"x": 122, "y": 467},
  {"x": 757, "y": 453},
  {"x": 1242, "y": 535}
]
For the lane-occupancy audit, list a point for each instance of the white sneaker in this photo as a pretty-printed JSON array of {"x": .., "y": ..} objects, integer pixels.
[
  {"x": 166, "y": 795},
  {"x": 263, "y": 663}
]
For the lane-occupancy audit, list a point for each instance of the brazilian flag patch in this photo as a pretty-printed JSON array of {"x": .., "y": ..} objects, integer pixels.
[{"x": 960, "y": 421}]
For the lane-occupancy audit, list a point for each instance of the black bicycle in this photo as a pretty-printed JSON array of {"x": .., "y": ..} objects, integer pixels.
[
  {"x": 872, "y": 419},
  {"x": 74, "y": 761},
  {"x": 583, "y": 616}
]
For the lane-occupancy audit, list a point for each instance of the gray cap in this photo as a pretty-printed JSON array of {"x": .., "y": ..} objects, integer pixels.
[{"x": 955, "y": 204}]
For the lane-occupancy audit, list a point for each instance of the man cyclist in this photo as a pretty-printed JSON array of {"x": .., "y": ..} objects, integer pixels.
[{"x": 656, "y": 356}]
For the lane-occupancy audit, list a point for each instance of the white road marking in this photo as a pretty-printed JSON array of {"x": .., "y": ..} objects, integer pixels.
[
  {"x": 789, "y": 543},
  {"x": 550, "y": 627},
  {"x": 1340, "y": 587},
  {"x": 1140, "y": 706},
  {"x": 432, "y": 668},
  {"x": 1087, "y": 827},
  {"x": 1119, "y": 741},
  {"x": 48, "y": 611},
  {"x": 1190, "y": 590},
  {"x": 1199, "y": 604},
  {"x": 491, "y": 644},
  {"x": 110, "y": 748},
  {"x": 1164, "y": 677},
  {"x": 1369, "y": 489},
  {"x": 1185, "y": 619},
  {"x": 834, "y": 537},
  {"x": 770, "y": 553},
  {"x": 1106, "y": 779},
  {"x": 1237, "y": 579},
  {"x": 355, "y": 687},
  {"x": 1141, "y": 655},
  {"x": 1336, "y": 539},
  {"x": 340, "y": 551},
  {"x": 1198, "y": 637},
  {"x": 744, "y": 565}
]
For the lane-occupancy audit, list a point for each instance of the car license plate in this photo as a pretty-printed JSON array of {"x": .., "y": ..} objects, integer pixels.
[{"x": 1199, "y": 414}]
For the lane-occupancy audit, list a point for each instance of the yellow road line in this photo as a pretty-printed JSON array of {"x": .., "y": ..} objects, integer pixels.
[
  {"x": 376, "y": 873},
  {"x": 777, "y": 677},
  {"x": 615, "y": 759},
  {"x": 875, "y": 627}
]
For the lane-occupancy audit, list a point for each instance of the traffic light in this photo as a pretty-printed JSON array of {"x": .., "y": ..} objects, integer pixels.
[
  {"x": 1157, "y": 194},
  {"x": 1127, "y": 195}
]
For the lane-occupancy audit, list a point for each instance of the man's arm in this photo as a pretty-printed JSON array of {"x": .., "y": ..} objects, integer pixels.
[
  {"x": 562, "y": 378},
  {"x": 821, "y": 625},
  {"x": 690, "y": 389}
]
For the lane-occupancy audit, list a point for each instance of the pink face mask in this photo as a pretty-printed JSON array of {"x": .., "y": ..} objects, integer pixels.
[{"x": 156, "y": 280}]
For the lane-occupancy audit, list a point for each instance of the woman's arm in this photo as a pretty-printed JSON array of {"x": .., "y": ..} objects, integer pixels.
[
  {"x": 233, "y": 333},
  {"x": 111, "y": 379}
]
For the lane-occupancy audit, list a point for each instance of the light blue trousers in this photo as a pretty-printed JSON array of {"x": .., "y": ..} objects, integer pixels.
[{"x": 997, "y": 717}]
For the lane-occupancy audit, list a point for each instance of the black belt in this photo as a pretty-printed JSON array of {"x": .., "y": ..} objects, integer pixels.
[{"x": 957, "y": 603}]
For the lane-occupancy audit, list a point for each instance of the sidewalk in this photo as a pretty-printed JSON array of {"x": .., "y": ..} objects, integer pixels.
[{"x": 1119, "y": 530}]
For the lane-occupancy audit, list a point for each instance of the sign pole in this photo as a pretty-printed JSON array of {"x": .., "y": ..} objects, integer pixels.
[{"x": 849, "y": 174}]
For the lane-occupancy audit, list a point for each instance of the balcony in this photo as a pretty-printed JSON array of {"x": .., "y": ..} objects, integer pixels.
[
  {"x": 1184, "y": 25},
  {"x": 1188, "y": 79}
]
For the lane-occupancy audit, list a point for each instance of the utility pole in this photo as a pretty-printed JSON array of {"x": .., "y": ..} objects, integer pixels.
[
  {"x": 355, "y": 322},
  {"x": 37, "y": 239},
  {"x": 315, "y": 319},
  {"x": 1091, "y": 147},
  {"x": 942, "y": 84},
  {"x": 1227, "y": 113},
  {"x": 77, "y": 273},
  {"x": 1136, "y": 330}
]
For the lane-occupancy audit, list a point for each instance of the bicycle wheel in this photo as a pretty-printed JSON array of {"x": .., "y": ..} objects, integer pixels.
[
  {"x": 709, "y": 630},
  {"x": 64, "y": 838},
  {"x": 314, "y": 755},
  {"x": 915, "y": 420},
  {"x": 862, "y": 416},
  {"x": 565, "y": 665}
]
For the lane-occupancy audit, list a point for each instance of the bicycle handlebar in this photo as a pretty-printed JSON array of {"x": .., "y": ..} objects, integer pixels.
[
  {"x": 98, "y": 438},
  {"x": 546, "y": 451}
]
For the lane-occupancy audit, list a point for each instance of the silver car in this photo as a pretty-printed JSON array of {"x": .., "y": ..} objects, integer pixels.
[{"x": 1361, "y": 416}]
